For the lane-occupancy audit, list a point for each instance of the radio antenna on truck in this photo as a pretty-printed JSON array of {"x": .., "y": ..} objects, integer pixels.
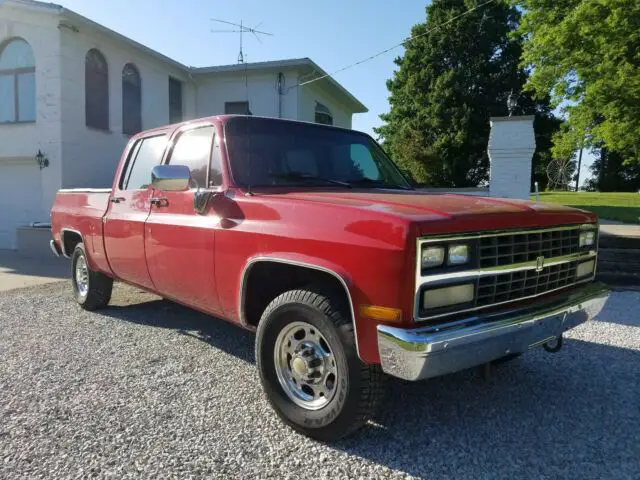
[{"x": 242, "y": 29}]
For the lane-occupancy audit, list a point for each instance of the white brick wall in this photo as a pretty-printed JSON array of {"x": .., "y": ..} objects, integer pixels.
[{"x": 511, "y": 148}]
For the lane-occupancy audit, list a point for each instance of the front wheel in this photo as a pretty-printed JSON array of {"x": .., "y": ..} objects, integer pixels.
[
  {"x": 92, "y": 290},
  {"x": 309, "y": 367}
]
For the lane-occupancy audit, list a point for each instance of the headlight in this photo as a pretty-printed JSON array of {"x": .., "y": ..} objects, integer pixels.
[
  {"x": 432, "y": 257},
  {"x": 444, "y": 297},
  {"x": 587, "y": 238},
  {"x": 458, "y": 254}
]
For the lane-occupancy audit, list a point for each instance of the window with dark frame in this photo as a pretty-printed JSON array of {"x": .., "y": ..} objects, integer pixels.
[
  {"x": 237, "y": 108},
  {"x": 17, "y": 82},
  {"x": 146, "y": 154},
  {"x": 96, "y": 83},
  {"x": 323, "y": 115},
  {"x": 131, "y": 100},
  {"x": 175, "y": 100},
  {"x": 193, "y": 149}
]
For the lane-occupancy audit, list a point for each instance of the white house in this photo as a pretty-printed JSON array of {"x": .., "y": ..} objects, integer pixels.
[{"x": 74, "y": 91}]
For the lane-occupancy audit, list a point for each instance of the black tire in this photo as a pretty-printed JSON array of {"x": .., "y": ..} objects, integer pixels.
[
  {"x": 359, "y": 388},
  {"x": 98, "y": 293}
]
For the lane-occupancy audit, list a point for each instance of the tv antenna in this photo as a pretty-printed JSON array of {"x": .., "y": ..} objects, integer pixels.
[{"x": 242, "y": 29}]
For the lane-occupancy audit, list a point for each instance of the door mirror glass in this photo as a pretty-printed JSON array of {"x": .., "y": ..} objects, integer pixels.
[{"x": 170, "y": 178}]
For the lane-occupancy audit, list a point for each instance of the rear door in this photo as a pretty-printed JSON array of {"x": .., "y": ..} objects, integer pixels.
[
  {"x": 128, "y": 210},
  {"x": 180, "y": 243}
]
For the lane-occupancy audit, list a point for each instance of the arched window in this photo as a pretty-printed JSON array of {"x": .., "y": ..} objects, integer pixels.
[
  {"x": 96, "y": 90},
  {"x": 323, "y": 114},
  {"x": 17, "y": 82},
  {"x": 131, "y": 100}
]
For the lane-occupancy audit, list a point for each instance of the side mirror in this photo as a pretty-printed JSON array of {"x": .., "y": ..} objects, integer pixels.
[{"x": 170, "y": 178}]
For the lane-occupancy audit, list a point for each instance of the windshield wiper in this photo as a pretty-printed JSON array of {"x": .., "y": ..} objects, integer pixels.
[
  {"x": 306, "y": 177},
  {"x": 376, "y": 184}
]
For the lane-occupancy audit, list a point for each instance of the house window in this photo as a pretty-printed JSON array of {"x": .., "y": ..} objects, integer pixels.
[
  {"x": 175, "y": 100},
  {"x": 131, "y": 100},
  {"x": 96, "y": 90},
  {"x": 17, "y": 82},
  {"x": 323, "y": 114},
  {"x": 237, "y": 108}
]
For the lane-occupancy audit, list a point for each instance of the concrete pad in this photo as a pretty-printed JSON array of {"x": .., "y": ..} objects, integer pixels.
[
  {"x": 620, "y": 229},
  {"x": 20, "y": 271}
]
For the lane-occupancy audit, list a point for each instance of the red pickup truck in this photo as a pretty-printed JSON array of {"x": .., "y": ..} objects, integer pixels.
[{"x": 312, "y": 237}]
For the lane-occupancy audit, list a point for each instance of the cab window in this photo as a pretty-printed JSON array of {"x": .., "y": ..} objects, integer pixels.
[{"x": 193, "y": 149}]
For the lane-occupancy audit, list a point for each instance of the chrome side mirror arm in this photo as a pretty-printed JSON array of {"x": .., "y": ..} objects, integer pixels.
[{"x": 202, "y": 197}]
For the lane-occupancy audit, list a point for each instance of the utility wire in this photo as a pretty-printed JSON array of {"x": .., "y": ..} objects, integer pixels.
[{"x": 406, "y": 40}]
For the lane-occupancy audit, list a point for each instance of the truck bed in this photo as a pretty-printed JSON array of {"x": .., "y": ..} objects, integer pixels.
[{"x": 80, "y": 211}]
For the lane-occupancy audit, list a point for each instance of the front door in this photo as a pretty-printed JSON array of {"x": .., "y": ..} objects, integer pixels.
[
  {"x": 180, "y": 243},
  {"x": 128, "y": 210}
]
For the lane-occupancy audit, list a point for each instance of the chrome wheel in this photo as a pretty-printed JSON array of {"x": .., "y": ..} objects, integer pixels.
[
  {"x": 305, "y": 366},
  {"x": 82, "y": 276}
]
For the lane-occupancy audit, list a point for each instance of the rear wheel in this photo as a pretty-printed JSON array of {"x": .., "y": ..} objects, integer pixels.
[
  {"x": 309, "y": 367},
  {"x": 92, "y": 290}
]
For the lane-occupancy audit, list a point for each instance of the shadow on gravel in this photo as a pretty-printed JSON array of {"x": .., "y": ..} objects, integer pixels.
[
  {"x": 166, "y": 314},
  {"x": 573, "y": 414},
  {"x": 622, "y": 311}
]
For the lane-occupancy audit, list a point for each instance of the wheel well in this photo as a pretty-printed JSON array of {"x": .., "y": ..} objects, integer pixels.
[
  {"x": 69, "y": 241},
  {"x": 268, "y": 279}
]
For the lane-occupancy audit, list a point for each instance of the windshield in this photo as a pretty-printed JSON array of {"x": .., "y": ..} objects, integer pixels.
[{"x": 266, "y": 153}]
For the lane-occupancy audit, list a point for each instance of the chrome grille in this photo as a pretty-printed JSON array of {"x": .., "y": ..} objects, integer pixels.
[
  {"x": 524, "y": 283},
  {"x": 525, "y": 247}
]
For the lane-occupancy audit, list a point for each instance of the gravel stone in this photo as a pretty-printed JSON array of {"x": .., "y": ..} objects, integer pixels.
[{"x": 149, "y": 389}]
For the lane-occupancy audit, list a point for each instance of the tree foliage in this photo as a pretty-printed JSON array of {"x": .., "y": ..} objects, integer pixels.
[
  {"x": 586, "y": 55},
  {"x": 448, "y": 84}
]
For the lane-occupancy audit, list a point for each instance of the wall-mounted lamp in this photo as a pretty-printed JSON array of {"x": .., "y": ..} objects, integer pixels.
[
  {"x": 42, "y": 160},
  {"x": 512, "y": 102}
]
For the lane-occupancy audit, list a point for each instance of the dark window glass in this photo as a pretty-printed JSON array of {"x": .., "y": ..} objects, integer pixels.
[
  {"x": 237, "y": 108},
  {"x": 215, "y": 173},
  {"x": 175, "y": 100},
  {"x": 131, "y": 100},
  {"x": 146, "y": 155},
  {"x": 17, "y": 82},
  {"x": 323, "y": 114},
  {"x": 193, "y": 149},
  {"x": 96, "y": 83},
  {"x": 264, "y": 152}
]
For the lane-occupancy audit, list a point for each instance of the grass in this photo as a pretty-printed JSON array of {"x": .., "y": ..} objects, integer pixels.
[{"x": 623, "y": 207}]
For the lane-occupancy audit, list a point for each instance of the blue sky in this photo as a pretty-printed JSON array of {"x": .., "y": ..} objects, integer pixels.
[{"x": 332, "y": 33}]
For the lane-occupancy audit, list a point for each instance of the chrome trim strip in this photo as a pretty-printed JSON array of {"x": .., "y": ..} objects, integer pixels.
[
  {"x": 474, "y": 274},
  {"x": 420, "y": 353},
  {"x": 253, "y": 261},
  {"x": 501, "y": 233},
  {"x": 62, "y": 247},
  {"x": 54, "y": 249}
]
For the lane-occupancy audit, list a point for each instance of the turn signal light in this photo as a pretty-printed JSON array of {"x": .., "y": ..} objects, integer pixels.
[{"x": 384, "y": 314}]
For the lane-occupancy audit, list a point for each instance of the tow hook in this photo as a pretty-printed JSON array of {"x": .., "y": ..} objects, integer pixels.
[{"x": 553, "y": 346}]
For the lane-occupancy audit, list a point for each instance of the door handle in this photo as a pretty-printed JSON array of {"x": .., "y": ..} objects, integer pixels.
[
  {"x": 116, "y": 199},
  {"x": 160, "y": 201}
]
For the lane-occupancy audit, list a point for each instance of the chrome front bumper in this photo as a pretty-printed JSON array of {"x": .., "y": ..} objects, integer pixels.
[{"x": 435, "y": 350}]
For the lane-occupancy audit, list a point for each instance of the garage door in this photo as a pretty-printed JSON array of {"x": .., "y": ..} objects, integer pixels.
[{"x": 20, "y": 197}]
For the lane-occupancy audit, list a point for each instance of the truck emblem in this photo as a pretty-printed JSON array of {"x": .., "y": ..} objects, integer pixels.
[{"x": 539, "y": 264}]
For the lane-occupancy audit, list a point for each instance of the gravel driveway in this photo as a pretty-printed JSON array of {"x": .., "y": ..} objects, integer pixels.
[{"x": 148, "y": 389}]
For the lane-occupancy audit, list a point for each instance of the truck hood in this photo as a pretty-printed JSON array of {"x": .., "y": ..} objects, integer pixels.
[{"x": 447, "y": 209}]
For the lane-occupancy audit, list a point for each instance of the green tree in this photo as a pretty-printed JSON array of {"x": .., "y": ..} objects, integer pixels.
[
  {"x": 448, "y": 84},
  {"x": 585, "y": 54},
  {"x": 610, "y": 174}
]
